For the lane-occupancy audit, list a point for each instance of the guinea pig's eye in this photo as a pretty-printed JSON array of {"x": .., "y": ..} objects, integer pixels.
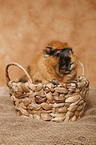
[{"x": 58, "y": 54}]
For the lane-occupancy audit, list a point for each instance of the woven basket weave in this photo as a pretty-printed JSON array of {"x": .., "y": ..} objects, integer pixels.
[{"x": 49, "y": 102}]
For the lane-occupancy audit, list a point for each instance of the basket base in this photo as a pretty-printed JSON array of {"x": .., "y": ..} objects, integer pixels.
[{"x": 56, "y": 103}]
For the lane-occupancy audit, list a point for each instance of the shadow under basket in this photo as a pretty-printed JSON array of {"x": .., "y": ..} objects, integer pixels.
[{"x": 50, "y": 102}]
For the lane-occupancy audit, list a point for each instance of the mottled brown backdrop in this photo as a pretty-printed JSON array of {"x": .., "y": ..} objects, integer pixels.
[{"x": 26, "y": 25}]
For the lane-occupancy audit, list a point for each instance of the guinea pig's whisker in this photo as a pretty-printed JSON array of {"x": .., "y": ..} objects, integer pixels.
[{"x": 72, "y": 63}]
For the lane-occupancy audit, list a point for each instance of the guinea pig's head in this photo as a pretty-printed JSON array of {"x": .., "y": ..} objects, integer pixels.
[{"x": 60, "y": 57}]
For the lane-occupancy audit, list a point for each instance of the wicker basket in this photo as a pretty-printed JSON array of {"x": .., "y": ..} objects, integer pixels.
[{"x": 49, "y": 102}]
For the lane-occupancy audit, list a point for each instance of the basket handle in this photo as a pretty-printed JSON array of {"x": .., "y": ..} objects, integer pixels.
[
  {"x": 83, "y": 71},
  {"x": 19, "y": 66}
]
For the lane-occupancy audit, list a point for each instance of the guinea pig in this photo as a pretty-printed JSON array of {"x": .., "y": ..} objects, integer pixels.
[{"x": 56, "y": 62}]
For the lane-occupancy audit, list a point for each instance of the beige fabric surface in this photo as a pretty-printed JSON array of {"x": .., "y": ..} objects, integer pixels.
[
  {"x": 26, "y": 26},
  {"x": 17, "y": 130}
]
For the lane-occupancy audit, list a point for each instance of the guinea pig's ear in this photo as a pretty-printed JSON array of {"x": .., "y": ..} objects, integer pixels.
[{"x": 47, "y": 51}]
